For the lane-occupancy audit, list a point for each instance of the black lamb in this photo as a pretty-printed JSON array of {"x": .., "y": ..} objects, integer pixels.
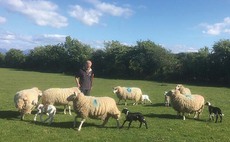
[
  {"x": 134, "y": 116},
  {"x": 214, "y": 110}
]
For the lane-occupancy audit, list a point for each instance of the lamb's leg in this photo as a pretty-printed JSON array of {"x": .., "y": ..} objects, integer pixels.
[
  {"x": 183, "y": 116},
  {"x": 70, "y": 110},
  {"x": 140, "y": 124},
  {"x": 216, "y": 117},
  {"x": 146, "y": 124},
  {"x": 35, "y": 116},
  {"x": 220, "y": 117},
  {"x": 65, "y": 109},
  {"x": 118, "y": 124},
  {"x": 82, "y": 121},
  {"x": 123, "y": 124},
  {"x": 129, "y": 124}
]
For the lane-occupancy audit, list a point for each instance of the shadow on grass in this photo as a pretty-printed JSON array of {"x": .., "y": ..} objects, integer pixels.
[
  {"x": 154, "y": 105},
  {"x": 166, "y": 116},
  {"x": 9, "y": 115}
]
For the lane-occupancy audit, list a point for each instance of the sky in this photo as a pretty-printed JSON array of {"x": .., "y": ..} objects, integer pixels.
[{"x": 177, "y": 25}]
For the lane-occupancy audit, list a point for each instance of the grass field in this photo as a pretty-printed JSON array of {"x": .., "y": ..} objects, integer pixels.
[{"x": 164, "y": 126}]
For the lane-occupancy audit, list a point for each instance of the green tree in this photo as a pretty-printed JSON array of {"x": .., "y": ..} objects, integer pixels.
[{"x": 14, "y": 58}]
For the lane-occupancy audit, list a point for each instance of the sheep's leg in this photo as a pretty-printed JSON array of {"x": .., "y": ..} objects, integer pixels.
[
  {"x": 82, "y": 121},
  {"x": 150, "y": 101},
  {"x": 118, "y": 124},
  {"x": 41, "y": 117},
  {"x": 183, "y": 116},
  {"x": 35, "y": 116},
  {"x": 74, "y": 122},
  {"x": 70, "y": 110},
  {"x": 65, "y": 109},
  {"x": 105, "y": 121}
]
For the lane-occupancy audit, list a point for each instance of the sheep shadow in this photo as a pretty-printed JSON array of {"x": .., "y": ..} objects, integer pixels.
[
  {"x": 164, "y": 116},
  {"x": 9, "y": 115},
  {"x": 154, "y": 105}
]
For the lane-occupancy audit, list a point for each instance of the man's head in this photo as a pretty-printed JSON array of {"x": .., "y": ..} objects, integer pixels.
[{"x": 88, "y": 64}]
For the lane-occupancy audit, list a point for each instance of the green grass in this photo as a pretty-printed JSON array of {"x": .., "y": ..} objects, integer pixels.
[{"x": 163, "y": 124}]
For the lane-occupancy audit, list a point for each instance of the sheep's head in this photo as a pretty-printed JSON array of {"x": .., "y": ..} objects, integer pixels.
[
  {"x": 169, "y": 93},
  {"x": 72, "y": 97},
  {"x": 179, "y": 87},
  {"x": 116, "y": 89}
]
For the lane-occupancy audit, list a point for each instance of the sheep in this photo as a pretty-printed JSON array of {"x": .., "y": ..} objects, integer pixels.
[
  {"x": 94, "y": 107},
  {"x": 128, "y": 93},
  {"x": 214, "y": 111},
  {"x": 50, "y": 110},
  {"x": 133, "y": 116},
  {"x": 186, "y": 104},
  {"x": 183, "y": 90},
  {"x": 167, "y": 99},
  {"x": 23, "y": 100},
  {"x": 145, "y": 98},
  {"x": 58, "y": 96}
]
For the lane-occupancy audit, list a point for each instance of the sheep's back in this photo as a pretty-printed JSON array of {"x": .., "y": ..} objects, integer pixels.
[{"x": 132, "y": 93}]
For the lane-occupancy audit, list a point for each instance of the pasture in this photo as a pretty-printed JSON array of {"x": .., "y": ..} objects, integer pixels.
[{"x": 164, "y": 126}]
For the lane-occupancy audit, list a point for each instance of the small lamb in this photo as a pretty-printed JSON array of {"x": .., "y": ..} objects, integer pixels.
[
  {"x": 145, "y": 98},
  {"x": 50, "y": 110},
  {"x": 214, "y": 111},
  {"x": 134, "y": 116}
]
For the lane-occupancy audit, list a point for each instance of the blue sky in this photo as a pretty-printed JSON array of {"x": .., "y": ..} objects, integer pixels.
[{"x": 177, "y": 25}]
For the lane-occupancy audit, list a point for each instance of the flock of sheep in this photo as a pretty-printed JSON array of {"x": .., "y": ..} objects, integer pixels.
[{"x": 180, "y": 98}]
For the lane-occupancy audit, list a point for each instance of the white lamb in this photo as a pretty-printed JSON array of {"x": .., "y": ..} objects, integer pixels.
[
  {"x": 186, "y": 103},
  {"x": 166, "y": 99},
  {"x": 183, "y": 90},
  {"x": 58, "y": 96},
  {"x": 50, "y": 110},
  {"x": 128, "y": 93},
  {"x": 145, "y": 98},
  {"x": 94, "y": 107},
  {"x": 23, "y": 100}
]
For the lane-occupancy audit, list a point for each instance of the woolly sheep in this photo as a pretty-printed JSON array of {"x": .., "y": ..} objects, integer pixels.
[
  {"x": 128, "y": 93},
  {"x": 50, "y": 110},
  {"x": 58, "y": 96},
  {"x": 23, "y": 100},
  {"x": 186, "y": 103},
  {"x": 167, "y": 99},
  {"x": 183, "y": 90},
  {"x": 145, "y": 98},
  {"x": 94, "y": 107}
]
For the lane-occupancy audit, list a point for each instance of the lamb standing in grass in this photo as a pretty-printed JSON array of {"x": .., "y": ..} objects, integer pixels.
[
  {"x": 186, "y": 104},
  {"x": 167, "y": 99},
  {"x": 58, "y": 96},
  {"x": 50, "y": 110},
  {"x": 183, "y": 90},
  {"x": 145, "y": 98},
  {"x": 23, "y": 100},
  {"x": 128, "y": 93},
  {"x": 94, "y": 107}
]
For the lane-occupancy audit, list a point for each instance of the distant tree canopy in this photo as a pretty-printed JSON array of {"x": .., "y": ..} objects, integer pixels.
[{"x": 145, "y": 60}]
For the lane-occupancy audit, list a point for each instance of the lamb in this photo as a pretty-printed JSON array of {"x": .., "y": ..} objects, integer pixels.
[
  {"x": 183, "y": 90},
  {"x": 50, "y": 110},
  {"x": 58, "y": 96},
  {"x": 133, "y": 116},
  {"x": 94, "y": 107},
  {"x": 23, "y": 100},
  {"x": 186, "y": 104},
  {"x": 128, "y": 93},
  {"x": 167, "y": 99},
  {"x": 214, "y": 111},
  {"x": 145, "y": 98}
]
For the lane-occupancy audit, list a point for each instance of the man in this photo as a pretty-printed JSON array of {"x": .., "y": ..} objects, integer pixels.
[{"x": 84, "y": 78}]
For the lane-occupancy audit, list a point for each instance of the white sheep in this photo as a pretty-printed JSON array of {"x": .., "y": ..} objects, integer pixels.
[
  {"x": 183, "y": 90},
  {"x": 166, "y": 99},
  {"x": 186, "y": 103},
  {"x": 58, "y": 96},
  {"x": 145, "y": 98},
  {"x": 50, "y": 110},
  {"x": 23, "y": 100},
  {"x": 128, "y": 93},
  {"x": 94, "y": 107}
]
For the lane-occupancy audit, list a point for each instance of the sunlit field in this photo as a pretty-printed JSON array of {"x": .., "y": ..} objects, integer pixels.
[{"x": 163, "y": 123}]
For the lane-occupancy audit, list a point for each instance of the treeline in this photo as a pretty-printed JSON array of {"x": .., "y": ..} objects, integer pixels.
[{"x": 145, "y": 60}]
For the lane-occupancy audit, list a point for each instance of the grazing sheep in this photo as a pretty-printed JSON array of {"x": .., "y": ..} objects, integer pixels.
[
  {"x": 186, "y": 103},
  {"x": 94, "y": 107},
  {"x": 183, "y": 90},
  {"x": 167, "y": 99},
  {"x": 58, "y": 96},
  {"x": 214, "y": 111},
  {"x": 145, "y": 98},
  {"x": 133, "y": 116},
  {"x": 23, "y": 100},
  {"x": 128, "y": 93},
  {"x": 50, "y": 110}
]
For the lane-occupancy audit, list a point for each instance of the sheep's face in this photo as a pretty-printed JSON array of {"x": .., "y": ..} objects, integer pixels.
[
  {"x": 115, "y": 90},
  {"x": 179, "y": 86},
  {"x": 72, "y": 97}
]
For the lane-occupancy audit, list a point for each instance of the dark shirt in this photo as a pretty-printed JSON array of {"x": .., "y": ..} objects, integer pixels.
[{"x": 85, "y": 79}]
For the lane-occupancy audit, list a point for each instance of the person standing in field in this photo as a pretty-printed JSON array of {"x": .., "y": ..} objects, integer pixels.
[{"x": 84, "y": 78}]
